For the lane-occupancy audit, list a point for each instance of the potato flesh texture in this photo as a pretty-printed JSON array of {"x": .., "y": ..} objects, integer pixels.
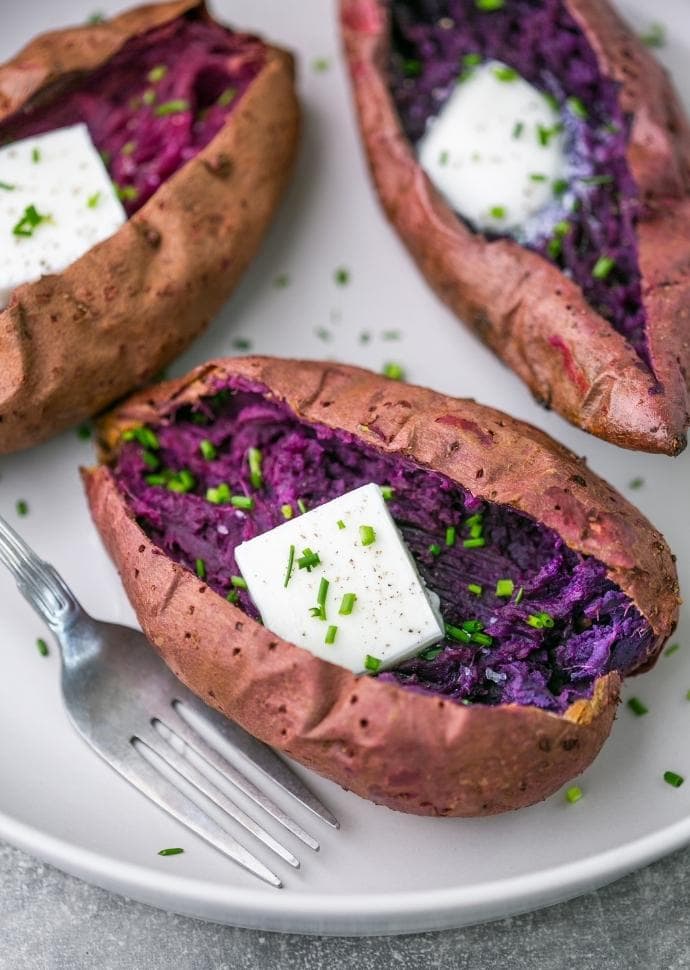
[
  {"x": 597, "y": 628},
  {"x": 541, "y": 40},
  {"x": 131, "y": 104}
]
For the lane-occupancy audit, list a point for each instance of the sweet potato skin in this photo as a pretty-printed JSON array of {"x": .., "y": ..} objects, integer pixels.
[
  {"x": 411, "y": 752},
  {"x": 72, "y": 343},
  {"x": 523, "y": 307}
]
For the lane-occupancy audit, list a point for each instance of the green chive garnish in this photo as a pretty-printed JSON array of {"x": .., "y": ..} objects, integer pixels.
[
  {"x": 330, "y": 634},
  {"x": 476, "y": 519},
  {"x": 443, "y": 158},
  {"x": 603, "y": 267},
  {"x": 431, "y": 653},
  {"x": 497, "y": 212},
  {"x": 291, "y": 562},
  {"x": 545, "y": 134},
  {"x": 321, "y": 596},
  {"x": 636, "y": 483},
  {"x": 242, "y": 502},
  {"x": 472, "y": 626},
  {"x": 573, "y": 794},
  {"x": 207, "y": 449},
  {"x": 7, "y": 187},
  {"x": 347, "y": 604},
  {"x": 238, "y": 582},
  {"x": 577, "y": 107},
  {"x": 518, "y": 129},
  {"x": 150, "y": 459},
  {"x": 387, "y": 492},
  {"x": 255, "y": 475},
  {"x": 503, "y": 73},
  {"x": 483, "y": 639},
  {"x": 489, "y": 5},
  {"x": 475, "y": 588},
  {"x": 654, "y": 36},
  {"x": 435, "y": 549},
  {"x": 226, "y": 97},
  {"x": 181, "y": 482},
  {"x": 308, "y": 560},
  {"x": 174, "y": 851},
  {"x": 393, "y": 371},
  {"x": 367, "y": 534},
  {"x": 537, "y": 177},
  {"x": 673, "y": 779},
  {"x": 597, "y": 180},
  {"x": 301, "y": 505},
  {"x": 171, "y": 107},
  {"x": 687, "y": 696},
  {"x": 504, "y": 587},
  {"x": 320, "y": 64},
  {"x": 451, "y": 535},
  {"x": 148, "y": 97},
  {"x": 412, "y": 67},
  {"x": 560, "y": 187},
  {"x": 200, "y": 567},
  {"x": 286, "y": 511},
  {"x": 22, "y": 507},
  {"x": 145, "y": 436},
  {"x": 476, "y": 543},
  {"x": 233, "y": 596},
  {"x": 156, "y": 479},
  {"x": 93, "y": 200},
  {"x": 520, "y": 594},
  {"x": 126, "y": 193},
  {"x": 42, "y": 647},
  {"x": 35, "y": 155},
  {"x": 340, "y": 524},
  {"x": 84, "y": 432},
  {"x": 281, "y": 281},
  {"x": 128, "y": 148},
  {"x": 342, "y": 276},
  {"x": 540, "y": 621},
  {"x": 637, "y": 707},
  {"x": 157, "y": 73},
  {"x": 372, "y": 663},
  {"x": 669, "y": 651},
  {"x": 29, "y": 222},
  {"x": 220, "y": 495},
  {"x": 457, "y": 633}
]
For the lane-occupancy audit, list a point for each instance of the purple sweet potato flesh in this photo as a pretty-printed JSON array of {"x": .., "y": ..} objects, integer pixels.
[
  {"x": 596, "y": 626},
  {"x": 540, "y": 39},
  {"x": 134, "y": 117}
]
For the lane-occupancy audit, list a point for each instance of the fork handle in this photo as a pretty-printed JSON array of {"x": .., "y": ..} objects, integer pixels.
[{"x": 38, "y": 581}]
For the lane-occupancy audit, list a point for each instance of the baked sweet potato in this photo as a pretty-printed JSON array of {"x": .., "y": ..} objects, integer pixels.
[
  {"x": 464, "y": 729},
  {"x": 594, "y": 314},
  {"x": 198, "y": 126}
]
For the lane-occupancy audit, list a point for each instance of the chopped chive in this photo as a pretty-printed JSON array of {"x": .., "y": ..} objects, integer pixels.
[
  {"x": 157, "y": 73},
  {"x": 367, "y": 535},
  {"x": 308, "y": 560},
  {"x": 330, "y": 634},
  {"x": 443, "y": 158},
  {"x": 654, "y": 36},
  {"x": 29, "y": 222},
  {"x": 35, "y": 155},
  {"x": 554, "y": 248},
  {"x": 475, "y": 588},
  {"x": 544, "y": 134},
  {"x": 238, "y": 582},
  {"x": 636, "y": 483},
  {"x": 597, "y": 180},
  {"x": 476, "y": 530},
  {"x": 669, "y": 651},
  {"x": 233, "y": 596},
  {"x": 95, "y": 18},
  {"x": 207, "y": 449},
  {"x": 340, "y": 524},
  {"x": 431, "y": 653},
  {"x": 372, "y": 663},
  {"x": 286, "y": 511},
  {"x": 538, "y": 177},
  {"x": 577, "y": 107},
  {"x": 435, "y": 549},
  {"x": 457, "y": 633},
  {"x": 540, "y": 621},
  {"x": 497, "y": 212},
  {"x": 93, "y": 200},
  {"x": 148, "y": 97},
  {"x": 520, "y": 594},
  {"x": 7, "y": 187},
  {"x": 320, "y": 64},
  {"x": 552, "y": 100},
  {"x": 637, "y": 707},
  {"x": 242, "y": 502},
  {"x": 341, "y": 276},
  {"x": 220, "y": 495},
  {"x": 181, "y": 482},
  {"x": 412, "y": 67},
  {"x": 22, "y": 507},
  {"x": 559, "y": 187},
  {"x": 387, "y": 492},
  {"x": 291, "y": 562},
  {"x": 322, "y": 594},
  {"x": 281, "y": 281},
  {"x": 476, "y": 519},
  {"x": 673, "y": 779},
  {"x": 174, "y": 851},
  {"x": 128, "y": 148},
  {"x": 504, "y": 73},
  {"x": 226, "y": 97},
  {"x": 126, "y": 193},
  {"x": 451, "y": 535},
  {"x": 254, "y": 458},
  {"x": 347, "y": 604},
  {"x": 476, "y": 543},
  {"x": 603, "y": 267},
  {"x": 687, "y": 696},
  {"x": 84, "y": 432},
  {"x": 42, "y": 647},
  {"x": 241, "y": 343},
  {"x": 155, "y": 479},
  {"x": 562, "y": 228},
  {"x": 518, "y": 129},
  {"x": 573, "y": 794},
  {"x": 145, "y": 436},
  {"x": 200, "y": 568},
  {"x": 301, "y": 505},
  {"x": 393, "y": 371},
  {"x": 505, "y": 587},
  {"x": 483, "y": 639},
  {"x": 171, "y": 107},
  {"x": 150, "y": 460},
  {"x": 472, "y": 626},
  {"x": 489, "y": 5}
]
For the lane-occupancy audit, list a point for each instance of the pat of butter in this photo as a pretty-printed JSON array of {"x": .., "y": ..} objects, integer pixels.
[
  {"x": 393, "y": 617},
  {"x": 495, "y": 149},
  {"x": 61, "y": 178}
]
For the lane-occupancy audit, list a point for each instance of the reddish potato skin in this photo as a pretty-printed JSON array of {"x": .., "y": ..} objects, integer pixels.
[
  {"x": 523, "y": 307},
  {"x": 72, "y": 343},
  {"x": 414, "y": 753}
]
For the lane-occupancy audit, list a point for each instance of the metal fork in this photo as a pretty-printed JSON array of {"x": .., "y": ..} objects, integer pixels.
[{"x": 134, "y": 712}]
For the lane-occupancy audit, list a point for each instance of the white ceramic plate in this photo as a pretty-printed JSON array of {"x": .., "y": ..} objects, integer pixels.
[{"x": 383, "y": 872}]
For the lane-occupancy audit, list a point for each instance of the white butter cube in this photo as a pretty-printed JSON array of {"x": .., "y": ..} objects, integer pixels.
[
  {"x": 60, "y": 178},
  {"x": 393, "y": 616}
]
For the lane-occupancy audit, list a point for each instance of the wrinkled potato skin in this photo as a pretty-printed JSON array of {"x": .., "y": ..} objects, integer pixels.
[
  {"x": 523, "y": 307},
  {"x": 414, "y": 753},
  {"x": 72, "y": 343}
]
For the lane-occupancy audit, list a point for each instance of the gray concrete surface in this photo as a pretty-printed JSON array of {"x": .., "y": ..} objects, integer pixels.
[{"x": 49, "y": 921}]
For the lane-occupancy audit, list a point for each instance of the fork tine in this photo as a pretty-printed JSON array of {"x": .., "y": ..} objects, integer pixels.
[
  {"x": 148, "y": 772},
  {"x": 198, "y": 717},
  {"x": 192, "y": 766},
  {"x": 232, "y": 774}
]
